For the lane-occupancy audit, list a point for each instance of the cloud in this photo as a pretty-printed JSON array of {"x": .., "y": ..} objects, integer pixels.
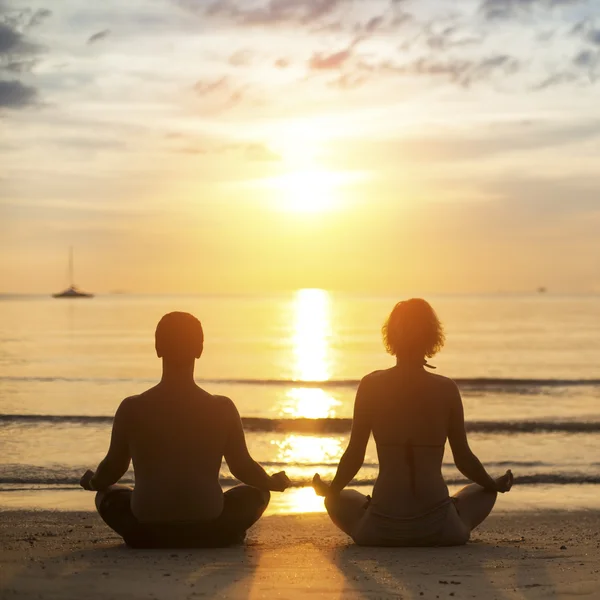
[
  {"x": 20, "y": 65},
  {"x": 348, "y": 81},
  {"x": 583, "y": 70},
  {"x": 260, "y": 153},
  {"x": 17, "y": 54},
  {"x": 203, "y": 88},
  {"x": 23, "y": 18},
  {"x": 508, "y": 9},
  {"x": 593, "y": 37},
  {"x": 221, "y": 90},
  {"x": 9, "y": 38},
  {"x": 587, "y": 59},
  {"x": 241, "y": 58},
  {"x": 462, "y": 72},
  {"x": 556, "y": 79},
  {"x": 324, "y": 62},
  {"x": 251, "y": 151},
  {"x": 373, "y": 24},
  {"x": 15, "y": 95},
  {"x": 39, "y": 16},
  {"x": 274, "y": 12},
  {"x": 98, "y": 37},
  {"x": 449, "y": 36}
]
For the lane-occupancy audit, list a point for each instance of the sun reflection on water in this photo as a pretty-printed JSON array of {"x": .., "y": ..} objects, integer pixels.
[
  {"x": 309, "y": 403},
  {"x": 312, "y": 362},
  {"x": 299, "y": 500},
  {"x": 307, "y": 451},
  {"x": 312, "y": 331}
]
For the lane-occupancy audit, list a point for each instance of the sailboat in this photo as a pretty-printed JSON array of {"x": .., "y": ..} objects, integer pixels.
[{"x": 72, "y": 291}]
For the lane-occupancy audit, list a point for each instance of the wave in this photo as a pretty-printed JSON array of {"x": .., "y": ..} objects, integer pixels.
[
  {"x": 25, "y": 483},
  {"x": 468, "y": 383},
  {"x": 325, "y": 426}
]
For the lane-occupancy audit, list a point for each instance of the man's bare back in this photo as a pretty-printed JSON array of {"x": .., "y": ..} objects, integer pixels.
[
  {"x": 177, "y": 441},
  {"x": 177, "y": 435}
]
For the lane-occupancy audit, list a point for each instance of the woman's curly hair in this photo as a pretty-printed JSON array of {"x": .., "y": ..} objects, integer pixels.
[{"x": 413, "y": 329}]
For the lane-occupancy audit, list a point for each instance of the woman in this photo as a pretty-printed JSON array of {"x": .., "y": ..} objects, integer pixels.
[{"x": 411, "y": 413}]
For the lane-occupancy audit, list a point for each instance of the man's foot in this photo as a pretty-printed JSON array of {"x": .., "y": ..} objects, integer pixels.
[{"x": 505, "y": 482}]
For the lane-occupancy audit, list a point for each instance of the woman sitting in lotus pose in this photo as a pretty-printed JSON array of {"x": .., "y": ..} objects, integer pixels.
[{"x": 411, "y": 413}]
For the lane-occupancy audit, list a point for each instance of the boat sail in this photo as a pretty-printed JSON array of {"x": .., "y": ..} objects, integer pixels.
[{"x": 72, "y": 291}]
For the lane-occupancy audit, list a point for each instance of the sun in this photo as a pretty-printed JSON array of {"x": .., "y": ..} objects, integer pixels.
[{"x": 307, "y": 191}]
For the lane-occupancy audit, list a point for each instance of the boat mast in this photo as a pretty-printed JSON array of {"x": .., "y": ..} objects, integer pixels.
[{"x": 71, "y": 266}]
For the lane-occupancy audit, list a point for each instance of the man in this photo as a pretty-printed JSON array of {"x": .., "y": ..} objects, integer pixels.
[{"x": 177, "y": 435}]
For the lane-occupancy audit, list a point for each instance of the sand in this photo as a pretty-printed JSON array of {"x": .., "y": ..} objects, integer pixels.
[{"x": 66, "y": 555}]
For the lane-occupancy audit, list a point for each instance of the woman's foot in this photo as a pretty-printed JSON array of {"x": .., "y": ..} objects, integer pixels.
[{"x": 320, "y": 487}]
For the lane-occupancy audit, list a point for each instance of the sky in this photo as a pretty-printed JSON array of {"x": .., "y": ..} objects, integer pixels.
[{"x": 250, "y": 146}]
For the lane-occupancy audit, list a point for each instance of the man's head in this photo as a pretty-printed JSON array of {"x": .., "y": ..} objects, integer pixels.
[{"x": 179, "y": 338}]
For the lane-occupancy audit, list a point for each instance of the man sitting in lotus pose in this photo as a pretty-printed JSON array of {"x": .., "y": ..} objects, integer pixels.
[{"x": 177, "y": 435}]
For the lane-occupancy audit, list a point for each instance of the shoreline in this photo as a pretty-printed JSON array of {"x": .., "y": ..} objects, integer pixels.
[
  {"x": 302, "y": 500},
  {"x": 68, "y": 555}
]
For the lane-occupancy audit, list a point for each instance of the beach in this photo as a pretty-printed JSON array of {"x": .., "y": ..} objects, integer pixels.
[{"x": 46, "y": 554}]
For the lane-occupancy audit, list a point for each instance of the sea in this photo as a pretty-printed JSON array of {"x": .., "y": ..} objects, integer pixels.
[{"x": 528, "y": 367}]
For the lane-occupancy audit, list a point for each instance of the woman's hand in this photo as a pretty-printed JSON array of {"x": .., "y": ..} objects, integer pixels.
[
  {"x": 321, "y": 488},
  {"x": 85, "y": 481},
  {"x": 504, "y": 483},
  {"x": 280, "y": 482}
]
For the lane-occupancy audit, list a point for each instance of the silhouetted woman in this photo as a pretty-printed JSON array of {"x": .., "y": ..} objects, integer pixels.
[{"x": 411, "y": 413}]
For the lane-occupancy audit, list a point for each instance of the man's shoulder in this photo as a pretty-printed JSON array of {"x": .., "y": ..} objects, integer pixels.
[
  {"x": 130, "y": 402},
  {"x": 221, "y": 401}
]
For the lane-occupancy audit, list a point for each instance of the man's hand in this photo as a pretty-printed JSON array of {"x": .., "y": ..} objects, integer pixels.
[
  {"x": 504, "y": 483},
  {"x": 321, "y": 488},
  {"x": 85, "y": 481},
  {"x": 280, "y": 482}
]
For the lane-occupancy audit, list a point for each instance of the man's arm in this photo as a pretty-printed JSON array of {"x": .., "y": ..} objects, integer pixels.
[
  {"x": 242, "y": 465},
  {"x": 117, "y": 460},
  {"x": 354, "y": 456},
  {"x": 464, "y": 458}
]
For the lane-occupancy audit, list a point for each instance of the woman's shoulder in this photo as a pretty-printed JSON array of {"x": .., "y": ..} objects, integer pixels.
[
  {"x": 376, "y": 377},
  {"x": 442, "y": 384},
  {"x": 379, "y": 374}
]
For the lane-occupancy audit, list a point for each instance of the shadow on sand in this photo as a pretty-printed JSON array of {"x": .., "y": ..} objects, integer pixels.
[
  {"x": 116, "y": 571},
  {"x": 477, "y": 570}
]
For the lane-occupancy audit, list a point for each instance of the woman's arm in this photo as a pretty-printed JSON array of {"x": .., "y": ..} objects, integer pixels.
[
  {"x": 354, "y": 455},
  {"x": 464, "y": 458}
]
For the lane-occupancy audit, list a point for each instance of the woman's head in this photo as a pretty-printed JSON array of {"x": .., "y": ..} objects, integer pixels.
[{"x": 413, "y": 330}]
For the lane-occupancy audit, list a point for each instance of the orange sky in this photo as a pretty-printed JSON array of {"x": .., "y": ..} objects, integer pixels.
[{"x": 260, "y": 146}]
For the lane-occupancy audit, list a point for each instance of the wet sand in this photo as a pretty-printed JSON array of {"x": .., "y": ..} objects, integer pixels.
[{"x": 73, "y": 555}]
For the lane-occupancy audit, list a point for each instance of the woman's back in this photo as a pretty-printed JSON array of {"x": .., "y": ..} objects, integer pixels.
[{"x": 410, "y": 414}]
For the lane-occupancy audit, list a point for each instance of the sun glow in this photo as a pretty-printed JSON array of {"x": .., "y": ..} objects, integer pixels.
[{"x": 307, "y": 191}]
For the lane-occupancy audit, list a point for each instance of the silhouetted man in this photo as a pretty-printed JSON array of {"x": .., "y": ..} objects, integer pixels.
[{"x": 177, "y": 435}]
